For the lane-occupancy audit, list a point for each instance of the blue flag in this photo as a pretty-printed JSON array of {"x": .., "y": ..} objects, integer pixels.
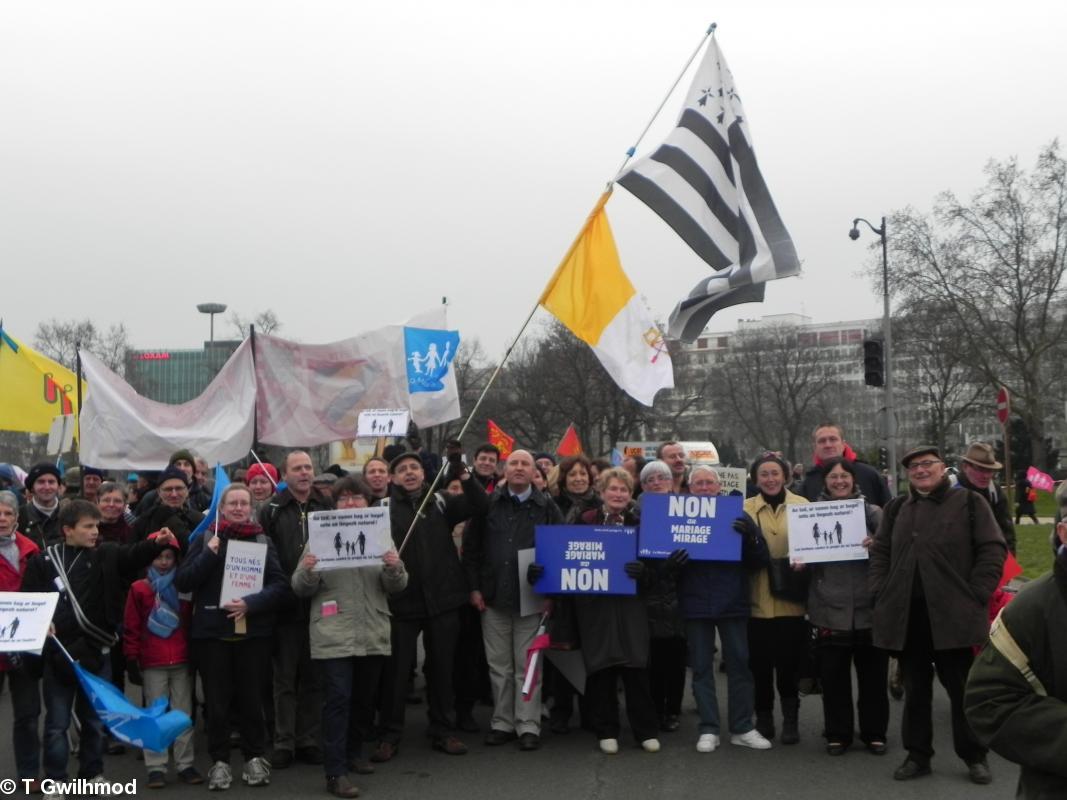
[
  {"x": 152, "y": 728},
  {"x": 429, "y": 355},
  {"x": 222, "y": 480}
]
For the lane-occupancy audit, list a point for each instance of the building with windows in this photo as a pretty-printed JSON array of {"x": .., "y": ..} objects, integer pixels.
[{"x": 176, "y": 376}]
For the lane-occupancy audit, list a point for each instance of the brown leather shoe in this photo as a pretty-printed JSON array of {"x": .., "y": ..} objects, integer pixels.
[
  {"x": 385, "y": 751},
  {"x": 450, "y": 745},
  {"x": 341, "y": 787}
]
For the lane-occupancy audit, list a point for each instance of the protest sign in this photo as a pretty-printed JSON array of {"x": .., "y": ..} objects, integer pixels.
[
  {"x": 699, "y": 525},
  {"x": 829, "y": 531},
  {"x": 349, "y": 537},
  {"x": 24, "y": 620},
  {"x": 382, "y": 422},
  {"x": 583, "y": 559},
  {"x": 243, "y": 570},
  {"x": 733, "y": 480}
]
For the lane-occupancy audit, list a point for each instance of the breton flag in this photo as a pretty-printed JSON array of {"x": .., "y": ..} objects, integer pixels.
[
  {"x": 591, "y": 295},
  {"x": 704, "y": 182}
]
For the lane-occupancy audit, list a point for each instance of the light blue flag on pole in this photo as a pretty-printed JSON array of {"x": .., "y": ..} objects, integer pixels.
[
  {"x": 222, "y": 480},
  {"x": 152, "y": 728}
]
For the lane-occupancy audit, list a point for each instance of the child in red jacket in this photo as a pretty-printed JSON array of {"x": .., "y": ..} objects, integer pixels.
[{"x": 155, "y": 643}]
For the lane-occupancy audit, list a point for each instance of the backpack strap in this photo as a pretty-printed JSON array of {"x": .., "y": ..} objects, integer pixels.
[{"x": 1004, "y": 643}]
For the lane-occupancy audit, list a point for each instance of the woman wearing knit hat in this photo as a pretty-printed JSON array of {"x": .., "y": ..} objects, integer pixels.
[
  {"x": 777, "y": 631},
  {"x": 262, "y": 479}
]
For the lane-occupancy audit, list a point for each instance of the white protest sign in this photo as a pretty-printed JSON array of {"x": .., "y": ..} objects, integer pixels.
[
  {"x": 349, "y": 537},
  {"x": 733, "y": 479},
  {"x": 382, "y": 422},
  {"x": 24, "y": 620},
  {"x": 828, "y": 531},
  {"x": 243, "y": 570}
]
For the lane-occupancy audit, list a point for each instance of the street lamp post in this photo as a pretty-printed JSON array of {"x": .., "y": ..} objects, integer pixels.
[
  {"x": 211, "y": 309},
  {"x": 887, "y": 325}
]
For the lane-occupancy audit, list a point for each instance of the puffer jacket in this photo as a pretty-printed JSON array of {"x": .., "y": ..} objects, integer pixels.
[
  {"x": 140, "y": 644},
  {"x": 359, "y": 623}
]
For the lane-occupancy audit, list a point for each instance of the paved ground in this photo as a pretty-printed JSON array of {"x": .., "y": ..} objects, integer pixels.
[{"x": 571, "y": 767}]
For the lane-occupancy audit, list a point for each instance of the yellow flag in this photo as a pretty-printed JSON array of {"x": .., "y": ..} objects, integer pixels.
[{"x": 36, "y": 389}]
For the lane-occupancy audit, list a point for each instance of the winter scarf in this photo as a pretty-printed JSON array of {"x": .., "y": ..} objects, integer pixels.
[{"x": 163, "y": 619}]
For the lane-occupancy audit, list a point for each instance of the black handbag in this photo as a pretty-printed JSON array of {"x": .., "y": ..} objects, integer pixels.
[{"x": 788, "y": 583}]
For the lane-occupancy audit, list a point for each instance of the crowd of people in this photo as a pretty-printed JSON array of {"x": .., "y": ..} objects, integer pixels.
[{"x": 318, "y": 666}]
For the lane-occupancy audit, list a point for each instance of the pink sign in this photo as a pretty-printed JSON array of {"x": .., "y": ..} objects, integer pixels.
[{"x": 1040, "y": 480}]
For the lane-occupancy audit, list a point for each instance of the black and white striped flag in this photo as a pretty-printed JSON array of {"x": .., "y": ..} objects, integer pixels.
[{"x": 704, "y": 182}]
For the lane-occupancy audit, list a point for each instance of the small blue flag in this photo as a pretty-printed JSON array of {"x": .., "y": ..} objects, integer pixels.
[
  {"x": 153, "y": 728},
  {"x": 616, "y": 457},
  {"x": 222, "y": 480}
]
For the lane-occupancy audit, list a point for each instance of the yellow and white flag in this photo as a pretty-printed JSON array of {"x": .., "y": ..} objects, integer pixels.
[{"x": 591, "y": 295}]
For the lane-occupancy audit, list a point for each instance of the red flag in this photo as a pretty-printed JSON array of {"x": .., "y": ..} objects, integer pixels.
[
  {"x": 500, "y": 440},
  {"x": 569, "y": 445}
]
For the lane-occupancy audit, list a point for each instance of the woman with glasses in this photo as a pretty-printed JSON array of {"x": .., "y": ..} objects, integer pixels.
[{"x": 232, "y": 637}]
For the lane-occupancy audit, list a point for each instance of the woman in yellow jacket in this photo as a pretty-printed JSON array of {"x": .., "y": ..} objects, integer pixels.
[{"x": 777, "y": 631}]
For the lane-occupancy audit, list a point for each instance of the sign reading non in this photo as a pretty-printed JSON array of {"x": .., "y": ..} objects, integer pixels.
[
  {"x": 699, "y": 525},
  {"x": 24, "y": 620},
  {"x": 382, "y": 422},
  {"x": 349, "y": 537},
  {"x": 243, "y": 570},
  {"x": 833, "y": 530},
  {"x": 584, "y": 559}
]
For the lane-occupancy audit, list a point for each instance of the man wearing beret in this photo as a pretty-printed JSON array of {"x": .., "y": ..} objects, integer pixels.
[
  {"x": 437, "y": 589},
  {"x": 39, "y": 518},
  {"x": 934, "y": 563}
]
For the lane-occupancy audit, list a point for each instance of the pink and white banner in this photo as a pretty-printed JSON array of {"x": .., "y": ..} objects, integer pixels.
[{"x": 1040, "y": 480}]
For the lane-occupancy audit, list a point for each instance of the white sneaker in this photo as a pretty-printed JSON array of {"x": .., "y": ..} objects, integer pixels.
[
  {"x": 219, "y": 777},
  {"x": 753, "y": 739},
  {"x": 650, "y": 745},
  {"x": 609, "y": 746},
  {"x": 256, "y": 772},
  {"x": 707, "y": 743}
]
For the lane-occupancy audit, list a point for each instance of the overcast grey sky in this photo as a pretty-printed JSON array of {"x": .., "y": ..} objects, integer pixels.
[{"x": 348, "y": 163}]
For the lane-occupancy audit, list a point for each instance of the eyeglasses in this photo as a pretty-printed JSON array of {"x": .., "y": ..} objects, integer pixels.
[
  {"x": 173, "y": 489},
  {"x": 656, "y": 478},
  {"x": 914, "y": 465}
]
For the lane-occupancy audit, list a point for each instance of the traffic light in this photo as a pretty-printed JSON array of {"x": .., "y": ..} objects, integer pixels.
[
  {"x": 883, "y": 458},
  {"x": 873, "y": 363}
]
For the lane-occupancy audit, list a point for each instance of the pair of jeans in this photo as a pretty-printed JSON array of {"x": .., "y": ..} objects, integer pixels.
[
  {"x": 61, "y": 697},
  {"x": 26, "y": 713},
  {"x": 733, "y": 633},
  {"x": 350, "y": 691}
]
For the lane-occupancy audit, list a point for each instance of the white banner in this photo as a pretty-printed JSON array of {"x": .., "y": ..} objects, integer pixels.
[
  {"x": 833, "y": 530},
  {"x": 311, "y": 394},
  {"x": 349, "y": 537},
  {"x": 24, "y": 620},
  {"x": 243, "y": 570},
  {"x": 382, "y": 422},
  {"x": 120, "y": 429}
]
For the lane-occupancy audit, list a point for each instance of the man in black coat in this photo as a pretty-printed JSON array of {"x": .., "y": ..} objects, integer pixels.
[
  {"x": 39, "y": 518},
  {"x": 978, "y": 468},
  {"x": 828, "y": 440}
]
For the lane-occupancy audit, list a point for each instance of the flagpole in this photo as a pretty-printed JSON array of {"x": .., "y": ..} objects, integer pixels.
[
  {"x": 265, "y": 471},
  {"x": 78, "y": 416},
  {"x": 633, "y": 149}
]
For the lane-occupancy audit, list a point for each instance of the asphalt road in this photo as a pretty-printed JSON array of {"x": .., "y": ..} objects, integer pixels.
[{"x": 572, "y": 767}]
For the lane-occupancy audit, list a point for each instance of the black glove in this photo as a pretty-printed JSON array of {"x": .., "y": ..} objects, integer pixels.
[
  {"x": 745, "y": 526},
  {"x": 133, "y": 672},
  {"x": 634, "y": 569},
  {"x": 534, "y": 573},
  {"x": 678, "y": 558}
]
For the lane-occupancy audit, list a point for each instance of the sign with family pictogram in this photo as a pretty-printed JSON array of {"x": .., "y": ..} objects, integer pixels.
[
  {"x": 833, "y": 530},
  {"x": 349, "y": 537}
]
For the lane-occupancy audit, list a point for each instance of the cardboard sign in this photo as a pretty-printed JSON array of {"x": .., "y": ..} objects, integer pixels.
[
  {"x": 833, "y": 530},
  {"x": 24, "y": 620},
  {"x": 699, "y": 525},
  {"x": 382, "y": 422},
  {"x": 583, "y": 559},
  {"x": 349, "y": 537},
  {"x": 733, "y": 480},
  {"x": 243, "y": 570}
]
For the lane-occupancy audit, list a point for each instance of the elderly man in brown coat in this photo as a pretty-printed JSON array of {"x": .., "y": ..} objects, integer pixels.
[{"x": 934, "y": 563}]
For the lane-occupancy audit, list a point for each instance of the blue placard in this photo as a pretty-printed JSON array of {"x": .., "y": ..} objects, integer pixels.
[
  {"x": 584, "y": 559},
  {"x": 699, "y": 525}
]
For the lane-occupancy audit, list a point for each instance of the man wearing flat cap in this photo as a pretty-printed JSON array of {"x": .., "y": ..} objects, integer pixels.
[
  {"x": 978, "y": 471},
  {"x": 934, "y": 563}
]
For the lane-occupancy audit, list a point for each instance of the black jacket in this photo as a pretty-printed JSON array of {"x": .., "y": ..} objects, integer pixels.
[
  {"x": 38, "y": 528},
  {"x": 491, "y": 543},
  {"x": 201, "y": 573},
  {"x": 436, "y": 582},
  {"x": 870, "y": 483},
  {"x": 181, "y": 521},
  {"x": 1001, "y": 512},
  {"x": 284, "y": 521}
]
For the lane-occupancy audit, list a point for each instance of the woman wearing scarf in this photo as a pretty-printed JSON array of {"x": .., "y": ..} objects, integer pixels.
[
  {"x": 574, "y": 488},
  {"x": 777, "y": 630},
  {"x": 231, "y": 642},
  {"x": 113, "y": 527},
  {"x": 155, "y": 643}
]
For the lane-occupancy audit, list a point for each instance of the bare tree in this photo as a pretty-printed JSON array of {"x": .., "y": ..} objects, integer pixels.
[
  {"x": 60, "y": 339},
  {"x": 996, "y": 266},
  {"x": 265, "y": 322}
]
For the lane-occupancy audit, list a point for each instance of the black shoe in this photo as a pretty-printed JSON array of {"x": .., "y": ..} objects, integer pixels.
[
  {"x": 670, "y": 723},
  {"x": 191, "y": 776},
  {"x": 559, "y": 725},
  {"x": 979, "y": 773},
  {"x": 877, "y": 748},
  {"x": 156, "y": 779},
  {"x": 497, "y": 737},
  {"x": 281, "y": 759},
  {"x": 385, "y": 751},
  {"x": 836, "y": 748},
  {"x": 309, "y": 755},
  {"x": 910, "y": 769},
  {"x": 529, "y": 741},
  {"x": 450, "y": 745},
  {"x": 466, "y": 722}
]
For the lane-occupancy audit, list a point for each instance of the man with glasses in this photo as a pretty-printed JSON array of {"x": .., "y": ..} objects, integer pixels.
[
  {"x": 935, "y": 561},
  {"x": 172, "y": 511},
  {"x": 978, "y": 468}
]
